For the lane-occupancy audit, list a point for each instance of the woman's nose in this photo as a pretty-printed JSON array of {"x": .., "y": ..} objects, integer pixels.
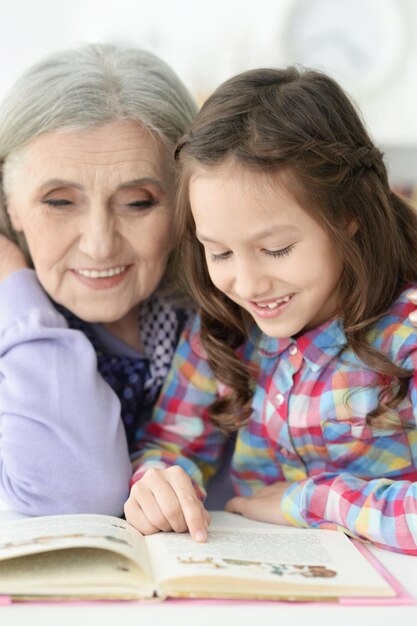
[{"x": 99, "y": 237}]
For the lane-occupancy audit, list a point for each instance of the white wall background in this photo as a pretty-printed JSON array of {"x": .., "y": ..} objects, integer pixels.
[{"x": 206, "y": 42}]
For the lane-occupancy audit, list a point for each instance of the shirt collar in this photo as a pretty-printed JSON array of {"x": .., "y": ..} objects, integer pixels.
[{"x": 318, "y": 346}]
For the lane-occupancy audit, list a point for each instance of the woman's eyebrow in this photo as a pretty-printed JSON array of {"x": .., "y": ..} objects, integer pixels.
[
  {"x": 135, "y": 182},
  {"x": 58, "y": 182},
  {"x": 138, "y": 182}
]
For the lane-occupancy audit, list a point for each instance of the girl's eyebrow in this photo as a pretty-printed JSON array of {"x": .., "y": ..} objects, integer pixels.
[{"x": 287, "y": 229}]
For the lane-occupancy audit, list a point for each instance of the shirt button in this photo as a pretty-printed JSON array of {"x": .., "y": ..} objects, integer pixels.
[
  {"x": 279, "y": 398},
  {"x": 293, "y": 349}
]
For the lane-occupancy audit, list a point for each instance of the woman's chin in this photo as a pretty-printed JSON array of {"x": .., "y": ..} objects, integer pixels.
[{"x": 101, "y": 315}]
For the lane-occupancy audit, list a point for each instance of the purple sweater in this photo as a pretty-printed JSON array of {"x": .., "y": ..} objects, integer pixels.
[{"x": 60, "y": 451}]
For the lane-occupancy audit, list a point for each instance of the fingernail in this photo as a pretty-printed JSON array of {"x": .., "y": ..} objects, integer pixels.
[
  {"x": 200, "y": 536},
  {"x": 413, "y": 317},
  {"x": 412, "y": 297}
]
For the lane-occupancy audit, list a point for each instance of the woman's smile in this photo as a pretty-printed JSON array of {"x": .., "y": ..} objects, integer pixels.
[
  {"x": 102, "y": 279},
  {"x": 96, "y": 212}
]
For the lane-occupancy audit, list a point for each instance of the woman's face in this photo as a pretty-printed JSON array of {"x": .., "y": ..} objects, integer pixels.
[{"x": 95, "y": 207}]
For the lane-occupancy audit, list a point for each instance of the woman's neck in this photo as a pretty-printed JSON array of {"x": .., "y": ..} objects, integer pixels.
[{"x": 127, "y": 329}]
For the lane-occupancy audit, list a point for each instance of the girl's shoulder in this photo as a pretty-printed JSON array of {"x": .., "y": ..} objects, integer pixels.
[
  {"x": 397, "y": 314},
  {"x": 394, "y": 334},
  {"x": 192, "y": 338}
]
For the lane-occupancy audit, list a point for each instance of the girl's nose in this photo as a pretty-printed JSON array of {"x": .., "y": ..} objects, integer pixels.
[{"x": 250, "y": 282}]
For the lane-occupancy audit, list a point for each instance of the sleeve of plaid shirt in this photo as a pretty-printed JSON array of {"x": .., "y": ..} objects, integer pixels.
[
  {"x": 181, "y": 432},
  {"x": 382, "y": 510}
]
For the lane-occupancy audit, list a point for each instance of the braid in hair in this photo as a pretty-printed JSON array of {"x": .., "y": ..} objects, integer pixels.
[{"x": 301, "y": 124}]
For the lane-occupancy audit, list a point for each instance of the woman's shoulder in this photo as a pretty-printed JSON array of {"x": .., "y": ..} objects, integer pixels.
[{"x": 168, "y": 304}]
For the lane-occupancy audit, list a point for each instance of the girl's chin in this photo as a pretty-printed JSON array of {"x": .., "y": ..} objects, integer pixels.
[{"x": 279, "y": 330}]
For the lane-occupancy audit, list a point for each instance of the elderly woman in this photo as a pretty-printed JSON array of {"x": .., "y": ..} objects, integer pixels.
[{"x": 87, "y": 335}]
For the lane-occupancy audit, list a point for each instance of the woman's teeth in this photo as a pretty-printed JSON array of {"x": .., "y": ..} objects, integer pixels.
[{"x": 114, "y": 271}]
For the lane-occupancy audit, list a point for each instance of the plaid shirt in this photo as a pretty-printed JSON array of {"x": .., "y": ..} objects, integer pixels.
[{"x": 308, "y": 427}]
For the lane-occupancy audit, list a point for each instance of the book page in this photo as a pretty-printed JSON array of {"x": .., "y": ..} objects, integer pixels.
[
  {"x": 46, "y": 534},
  {"x": 264, "y": 552},
  {"x": 75, "y": 573}
]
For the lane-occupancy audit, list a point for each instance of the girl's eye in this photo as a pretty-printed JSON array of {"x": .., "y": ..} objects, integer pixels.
[
  {"x": 278, "y": 253},
  {"x": 58, "y": 202},
  {"x": 220, "y": 257}
]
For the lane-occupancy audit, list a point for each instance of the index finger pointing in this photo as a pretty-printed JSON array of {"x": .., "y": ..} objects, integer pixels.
[{"x": 195, "y": 516}]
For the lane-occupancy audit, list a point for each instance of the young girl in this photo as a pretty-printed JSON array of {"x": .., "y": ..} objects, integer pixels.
[{"x": 300, "y": 257}]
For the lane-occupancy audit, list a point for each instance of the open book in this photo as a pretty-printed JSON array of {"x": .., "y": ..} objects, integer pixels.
[{"x": 101, "y": 557}]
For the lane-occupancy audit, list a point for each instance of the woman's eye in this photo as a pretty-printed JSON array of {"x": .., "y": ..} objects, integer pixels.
[
  {"x": 278, "y": 253},
  {"x": 141, "y": 204},
  {"x": 57, "y": 202}
]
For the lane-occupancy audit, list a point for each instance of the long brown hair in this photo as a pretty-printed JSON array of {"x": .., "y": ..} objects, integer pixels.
[{"x": 303, "y": 124}]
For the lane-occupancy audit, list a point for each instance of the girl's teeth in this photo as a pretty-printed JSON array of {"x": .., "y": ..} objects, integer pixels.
[
  {"x": 273, "y": 305},
  {"x": 114, "y": 271}
]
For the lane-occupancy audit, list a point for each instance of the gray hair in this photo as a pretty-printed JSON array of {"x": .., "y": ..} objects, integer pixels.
[{"x": 91, "y": 86}]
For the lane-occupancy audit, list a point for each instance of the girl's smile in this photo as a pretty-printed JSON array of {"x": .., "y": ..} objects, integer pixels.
[
  {"x": 271, "y": 308},
  {"x": 263, "y": 250}
]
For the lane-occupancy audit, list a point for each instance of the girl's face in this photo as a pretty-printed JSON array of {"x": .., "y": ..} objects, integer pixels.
[
  {"x": 264, "y": 251},
  {"x": 95, "y": 208}
]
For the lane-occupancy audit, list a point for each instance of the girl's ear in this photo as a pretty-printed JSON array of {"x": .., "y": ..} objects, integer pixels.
[{"x": 352, "y": 227}]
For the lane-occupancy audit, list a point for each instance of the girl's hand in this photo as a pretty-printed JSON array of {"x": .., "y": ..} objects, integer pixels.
[
  {"x": 167, "y": 500},
  {"x": 412, "y": 296},
  {"x": 264, "y": 506},
  {"x": 11, "y": 257}
]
